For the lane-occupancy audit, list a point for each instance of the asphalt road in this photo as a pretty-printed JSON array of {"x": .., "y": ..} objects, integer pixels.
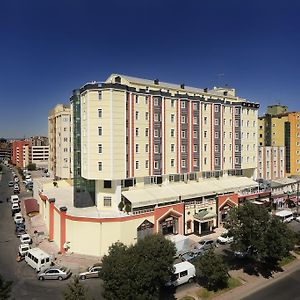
[
  {"x": 25, "y": 284},
  {"x": 287, "y": 288}
]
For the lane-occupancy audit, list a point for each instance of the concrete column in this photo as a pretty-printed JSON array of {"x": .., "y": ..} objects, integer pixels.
[
  {"x": 51, "y": 218},
  {"x": 63, "y": 212}
]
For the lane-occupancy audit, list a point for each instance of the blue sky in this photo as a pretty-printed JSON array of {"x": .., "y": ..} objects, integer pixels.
[{"x": 48, "y": 48}]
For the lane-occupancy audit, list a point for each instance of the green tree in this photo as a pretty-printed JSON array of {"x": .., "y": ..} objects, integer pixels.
[
  {"x": 247, "y": 224},
  {"x": 31, "y": 167},
  {"x": 75, "y": 290},
  {"x": 279, "y": 240},
  {"x": 252, "y": 227},
  {"x": 139, "y": 271},
  {"x": 211, "y": 271},
  {"x": 5, "y": 289}
]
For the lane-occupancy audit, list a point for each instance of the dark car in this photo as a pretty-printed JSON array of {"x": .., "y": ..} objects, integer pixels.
[
  {"x": 11, "y": 184},
  {"x": 20, "y": 231}
]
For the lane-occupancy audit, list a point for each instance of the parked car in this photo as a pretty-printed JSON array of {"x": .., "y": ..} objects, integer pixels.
[
  {"x": 16, "y": 179},
  {"x": 18, "y": 218},
  {"x": 20, "y": 231},
  {"x": 224, "y": 238},
  {"x": 191, "y": 255},
  {"x": 16, "y": 190},
  {"x": 243, "y": 254},
  {"x": 54, "y": 273},
  {"x": 23, "y": 248},
  {"x": 25, "y": 239},
  {"x": 297, "y": 219},
  {"x": 15, "y": 206},
  {"x": 11, "y": 184},
  {"x": 13, "y": 198},
  {"x": 206, "y": 245},
  {"x": 91, "y": 272}
]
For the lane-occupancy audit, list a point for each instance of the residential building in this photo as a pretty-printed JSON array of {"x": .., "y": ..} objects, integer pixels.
[
  {"x": 39, "y": 156},
  {"x": 59, "y": 133},
  {"x": 282, "y": 129},
  {"x": 20, "y": 153},
  {"x": 271, "y": 162},
  {"x": 151, "y": 157}
]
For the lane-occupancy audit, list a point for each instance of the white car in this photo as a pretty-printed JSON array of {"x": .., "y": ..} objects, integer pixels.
[
  {"x": 25, "y": 239},
  {"x": 224, "y": 238},
  {"x": 15, "y": 206},
  {"x": 23, "y": 248},
  {"x": 18, "y": 218},
  {"x": 13, "y": 198},
  {"x": 91, "y": 272},
  {"x": 297, "y": 219}
]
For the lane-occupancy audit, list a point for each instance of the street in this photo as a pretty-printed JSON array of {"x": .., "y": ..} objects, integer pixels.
[
  {"x": 25, "y": 284},
  {"x": 286, "y": 288}
]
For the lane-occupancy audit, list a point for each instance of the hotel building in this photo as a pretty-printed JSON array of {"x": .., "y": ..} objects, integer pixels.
[{"x": 151, "y": 157}]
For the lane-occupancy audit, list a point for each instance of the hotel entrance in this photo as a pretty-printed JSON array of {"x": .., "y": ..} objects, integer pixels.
[{"x": 169, "y": 226}]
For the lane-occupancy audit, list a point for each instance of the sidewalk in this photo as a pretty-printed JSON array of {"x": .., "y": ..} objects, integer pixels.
[{"x": 250, "y": 283}]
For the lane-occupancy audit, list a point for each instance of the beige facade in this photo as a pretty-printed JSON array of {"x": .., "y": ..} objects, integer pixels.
[
  {"x": 271, "y": 163},
  {"x": 59, "y": 133}
]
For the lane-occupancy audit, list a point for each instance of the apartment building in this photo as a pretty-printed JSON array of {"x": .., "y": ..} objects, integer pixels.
[
  {"x": 59, "y": 133},
  {"x": 271, "y": 162},
  {"x": 20, "y": 153},
  {"x": 278, "y": 127}
]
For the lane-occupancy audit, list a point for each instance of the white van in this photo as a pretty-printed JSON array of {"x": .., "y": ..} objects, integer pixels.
[
  {"x": 184, "y": 272},
  {"x": 14, "y": 199},
  {"x": 38, "y": 259},
  {"x": 286, "y": 216}
]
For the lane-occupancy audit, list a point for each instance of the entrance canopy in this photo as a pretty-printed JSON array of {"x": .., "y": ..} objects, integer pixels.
[
  {"x": 31, "y": 207},
  {"x": 204, "y": 216}
]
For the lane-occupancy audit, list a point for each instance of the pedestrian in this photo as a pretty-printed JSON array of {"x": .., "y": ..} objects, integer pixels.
[{"x": 7, "y": 199}]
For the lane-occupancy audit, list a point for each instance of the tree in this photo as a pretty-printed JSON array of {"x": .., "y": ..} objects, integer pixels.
[
  {"x": 139, "y": 271},
  {"x": 5, "y": 289},
  {"x": 254, "y": 229},
  {"x": 211, "y": 271},
  {"x": 279, "y": 240},
  {"x": 31, "y": 167},
  {"x": 75, "y": 290}
]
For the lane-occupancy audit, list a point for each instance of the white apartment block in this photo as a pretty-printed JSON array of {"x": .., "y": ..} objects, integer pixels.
[
  {"x": 271, "y": 162},
  {"x": 59, "y": 134}
]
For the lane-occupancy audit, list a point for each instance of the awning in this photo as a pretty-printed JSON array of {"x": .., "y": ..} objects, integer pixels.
[
  {"x": 31, "y": 207},
  {"x": 204, "y": 215}
]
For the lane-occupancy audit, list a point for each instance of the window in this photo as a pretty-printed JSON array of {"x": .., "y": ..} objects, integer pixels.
[
  {"x": 100, "y": 166},
  {"x": 195, "y": 120},
  {"x": 137, "y": 148},
  {"x": 100, "y": 130},
  {"x": 195, "y": 148},
  {"x": 183, "y": 119},
  {"x": 237, "y": 123},
  {"x": 156, "y": 164},
  {"x": 172, "y": 118},
  {"x": 182, "y": 104},
  {"x": 65, "y": 139},
  {"x": 172, "y": 162},
  {"x": 155, "y": 101},
  {"x": 183, "y": 164},
  {"x": 205, "y": 120},
  {"x": 136, "y": 99},
  {"x": 216, "y": 161},
  {"x": 205, "y": 133},
  {"x": 172, "y": 147},
  {"x": 224, "y": 134},
  {"x": 99, "y": 95},
  {"x": 146, "y": 115},
  {"x": 216, "y": 148},
  {"x": 237, "y": 148},
  {"x": 172, "y": 103},
  {"x": 136, "y": 132},
  {"x": 205, "y": 160},
  {"x": 172, "y": 132},
  {"x": 195, "y": 134},
  {"x": 99, "y": 113},
  {"x": 156, "y": 133},
  {"x": 205, "y": 147},
  {"x": 237, "y": 135},
  {"x": 195, "y": 162},
  {"x": 183, "y": 134},
  {"x": 237, "y": 160},
  {"x": 146, "y": 164},
  {"x": 205, "y": 107},
  {"x": 216, "y": 134},
  {"x": 183, "y": 148},
  {"x": 65, "y": 149},
  {"x": 216, "y": 121},
  {"x": 146, "y": 99},
  {"x": 216, "y": 108},
  {"x": 65, "y": 128},
  {"x": 106, "y": 201},
  {"x": 147, "y": 148},
  {"x": 136, "y": 115},
  {"x": 195, "y": 106},
  {"x": 156, "y": 119},
  {"x": 99, "y": 148},
  {"x": 137, "y": 164},
  {"x": 146, "y": 131},
  {"x": 156, "y": 148},
  {"x": 107, "y": 184}
]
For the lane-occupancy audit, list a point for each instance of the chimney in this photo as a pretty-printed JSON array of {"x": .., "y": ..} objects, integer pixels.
[
  {"x": 205, "y": 90},
  {"x": 182, "y": 86},
  {"x": 156, "y": 81}
]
